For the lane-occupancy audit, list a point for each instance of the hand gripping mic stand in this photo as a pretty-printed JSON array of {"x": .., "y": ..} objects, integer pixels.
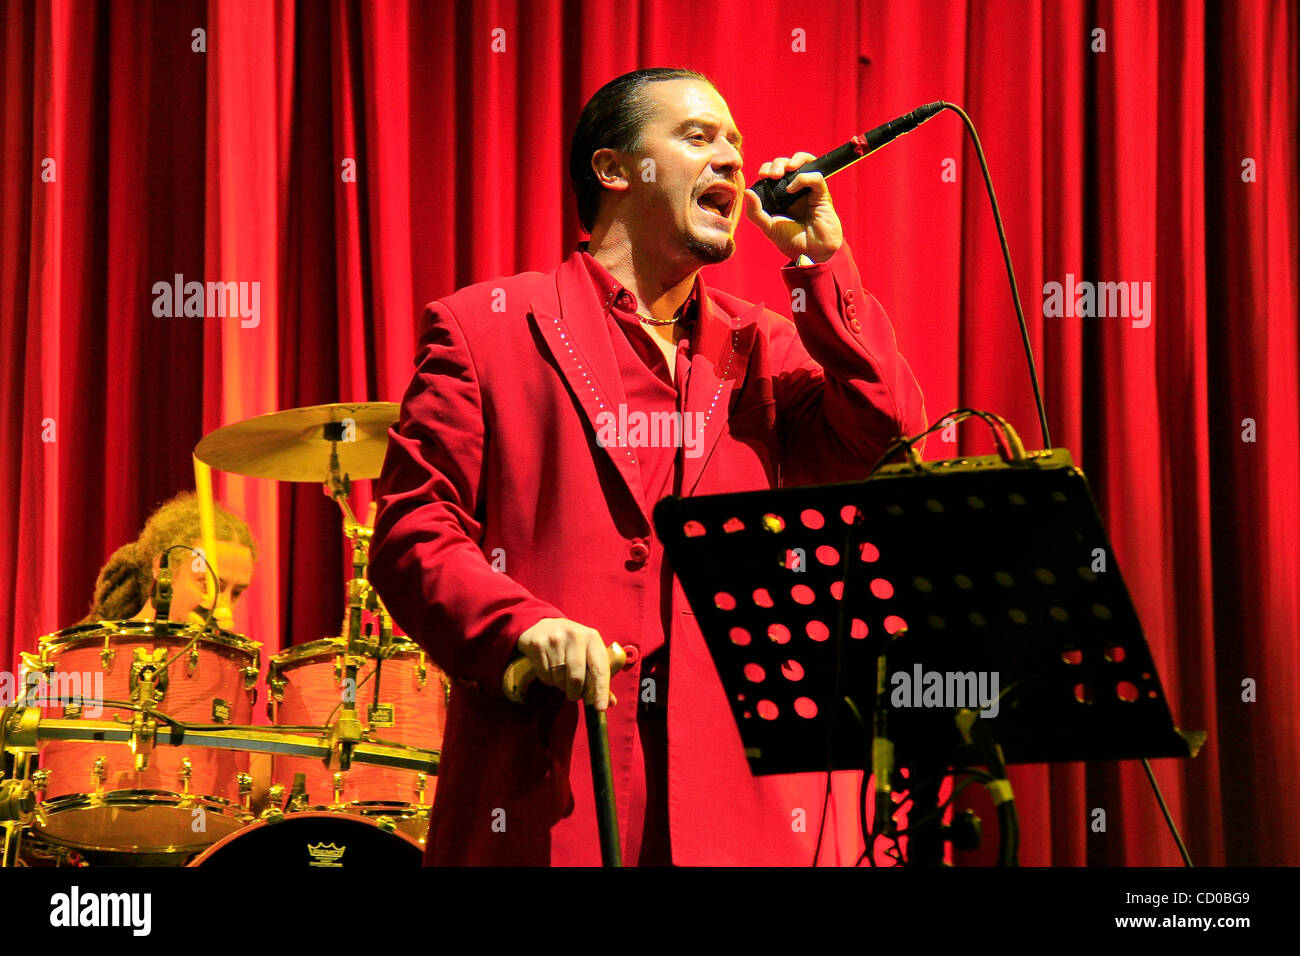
[{"x": 890, "y": 603}]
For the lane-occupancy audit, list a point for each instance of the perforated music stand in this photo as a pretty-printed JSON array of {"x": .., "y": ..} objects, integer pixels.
[{"x": 992, "y": 568}]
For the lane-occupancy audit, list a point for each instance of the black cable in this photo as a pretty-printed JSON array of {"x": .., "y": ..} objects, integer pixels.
[
  {"x": 1011, "y": 272},
  {"x": 361, "y": 683},
  {"x": 1173, "y": 828},
  {"x": 943, "y": 808},
  {"x": 1042, "y": 414},
  {"x": 950, "y": 418},
  {"x": 907, "y": 442},
  {"x": 207, "y": 620}
]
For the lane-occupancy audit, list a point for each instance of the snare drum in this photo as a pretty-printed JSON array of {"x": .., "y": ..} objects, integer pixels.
[
  {"x": 307, "y": 684},
  {"x": 92, "y": 797},
  {"x": 320, "y": 840}
]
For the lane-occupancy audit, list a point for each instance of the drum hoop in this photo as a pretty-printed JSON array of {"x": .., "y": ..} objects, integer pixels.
[
  {"x": 379, "y": 808},
  {"x": 138, "y": 798},
  {"x": 172, "y": 631},
  {"x": 297, "y": 815}
]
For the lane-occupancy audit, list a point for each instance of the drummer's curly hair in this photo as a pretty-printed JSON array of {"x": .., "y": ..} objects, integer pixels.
[{"x": 126, "y": 579}]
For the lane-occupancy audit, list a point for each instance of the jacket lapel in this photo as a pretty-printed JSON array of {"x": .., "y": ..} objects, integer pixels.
[
  {"x": 719, "y": 361},
  {"x": 578, "y": 337}
]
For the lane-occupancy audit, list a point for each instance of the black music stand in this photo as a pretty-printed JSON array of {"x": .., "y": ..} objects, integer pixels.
[{"x": 974, "y": 566}]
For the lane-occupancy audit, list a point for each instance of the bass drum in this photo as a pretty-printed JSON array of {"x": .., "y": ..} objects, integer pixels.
[{"x": 307, "y": 840}]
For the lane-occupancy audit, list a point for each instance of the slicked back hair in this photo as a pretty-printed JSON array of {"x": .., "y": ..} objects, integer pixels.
[{"x": 614, "y": 118}]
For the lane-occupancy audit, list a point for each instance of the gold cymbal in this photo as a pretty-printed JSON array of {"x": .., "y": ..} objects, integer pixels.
[{"x": 295, "y": 444}]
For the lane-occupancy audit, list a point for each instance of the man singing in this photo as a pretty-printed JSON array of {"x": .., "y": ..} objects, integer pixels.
[{"x": 519, "y": 483}]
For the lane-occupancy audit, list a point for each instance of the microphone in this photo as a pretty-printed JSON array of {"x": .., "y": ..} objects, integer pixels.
[
  {"x": 162, "y": 589},
  {"x": 771, "y": 192}
]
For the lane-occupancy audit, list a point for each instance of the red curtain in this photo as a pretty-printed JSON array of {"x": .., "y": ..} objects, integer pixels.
[{"x": 1143, "y": 141}]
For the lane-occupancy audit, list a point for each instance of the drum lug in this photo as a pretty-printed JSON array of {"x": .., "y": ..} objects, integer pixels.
[
  {"x": 446, "y": 690},
  {"x": 251, "y": 671},
  {"x": 97, "y": 774},
  {"x": 275, "y": 687},
  {"x": 193, "y": 664},
  {"x": 185, "y": 772},
  {"x": 274, "y": 803},
  {"x": 338, "y": 788},
  {"x": 244, "y": 781},
  {"x": 421, "y": 672},
  {"x": 421, "y": 783},
  {"x": 32, "y": 664},
  {"x": 107, "y": 655},
  {"x": 41, "y": 782},
  {"x": 35, "y": 662}
]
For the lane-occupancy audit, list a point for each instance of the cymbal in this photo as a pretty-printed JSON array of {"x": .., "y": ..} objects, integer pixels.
[{"x": 295, "y": 444}]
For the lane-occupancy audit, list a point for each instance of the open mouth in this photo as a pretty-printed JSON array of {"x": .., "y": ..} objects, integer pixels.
[{"x": 719, "y": 199}]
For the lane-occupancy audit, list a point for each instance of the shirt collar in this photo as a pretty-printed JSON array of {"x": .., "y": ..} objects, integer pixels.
[{"x": 614, "y": 297}]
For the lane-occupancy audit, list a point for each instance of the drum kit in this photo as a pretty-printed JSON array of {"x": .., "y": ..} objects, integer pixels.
[{"x": 148, "y": 759}]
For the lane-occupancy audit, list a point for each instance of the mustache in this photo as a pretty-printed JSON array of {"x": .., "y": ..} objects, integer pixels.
[{"x": 736, "y": 181}]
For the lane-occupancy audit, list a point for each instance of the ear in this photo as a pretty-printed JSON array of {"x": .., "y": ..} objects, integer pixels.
[{"x": 609, "y": 169}]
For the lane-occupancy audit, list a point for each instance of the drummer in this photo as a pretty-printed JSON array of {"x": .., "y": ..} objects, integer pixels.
[{"x": 123, "y": 590}]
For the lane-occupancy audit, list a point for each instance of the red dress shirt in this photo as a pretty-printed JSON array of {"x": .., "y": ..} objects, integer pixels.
[{"x": 651, "y": 391}]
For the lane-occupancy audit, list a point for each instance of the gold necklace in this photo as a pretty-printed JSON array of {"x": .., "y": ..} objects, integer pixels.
[{"x": 661, "y": 322}]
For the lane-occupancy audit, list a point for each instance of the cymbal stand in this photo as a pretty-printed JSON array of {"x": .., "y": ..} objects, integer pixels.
[{"x": 361, "y": 597}]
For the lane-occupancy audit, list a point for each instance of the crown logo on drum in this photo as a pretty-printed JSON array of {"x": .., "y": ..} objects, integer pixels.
[{"x": 326, "y": 854}]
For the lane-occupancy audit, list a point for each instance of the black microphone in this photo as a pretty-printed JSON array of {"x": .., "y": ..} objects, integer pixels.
[
  {"x": 162, "y": 589},
  {"x": 772, "y": 191}
]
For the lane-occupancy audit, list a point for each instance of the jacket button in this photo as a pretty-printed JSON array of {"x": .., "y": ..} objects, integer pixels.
[
  {"x": 633, "y": 653},
  {"x": 848, "y": 295},
  {"x": 855, "y": 325},
  {"x": 850, "y": 310},
  {"x": 639, "y": 551}
]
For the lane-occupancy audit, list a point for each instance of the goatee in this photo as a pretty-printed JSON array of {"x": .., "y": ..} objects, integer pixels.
[{"x": 709, "y": 252}]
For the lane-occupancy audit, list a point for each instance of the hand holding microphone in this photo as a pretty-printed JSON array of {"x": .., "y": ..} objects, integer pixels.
[{"x": 810, "y": 227}]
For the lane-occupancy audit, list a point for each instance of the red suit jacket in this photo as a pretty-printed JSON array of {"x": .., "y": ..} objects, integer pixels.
[{"x": 495, "y": 461}]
